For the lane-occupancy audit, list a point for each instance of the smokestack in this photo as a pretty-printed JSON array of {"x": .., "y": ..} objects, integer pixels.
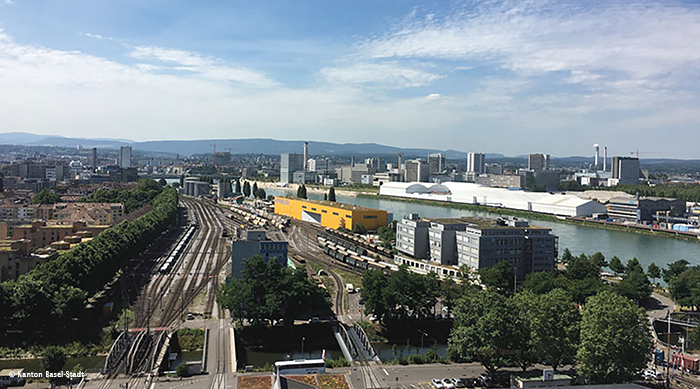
[
  {"x": 94, "y": 159},
  {"x": 605, "y": 157},
  {"x": 399, "y": 169},
  {"x": 306, "y": 154},
  {"x": 597, "y": 156}
]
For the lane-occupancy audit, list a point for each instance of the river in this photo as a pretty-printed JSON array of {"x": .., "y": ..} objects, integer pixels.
[{"x": 579, "y": 239}]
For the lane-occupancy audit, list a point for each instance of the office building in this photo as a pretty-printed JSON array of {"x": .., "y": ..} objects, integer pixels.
[
  {"x": 485, "y": 242},
  {"x": 94, "y": 159},
  {"x": 625, "y": 170},
  {"x": 436, "y": 162},
  {"x": 379, "y": 179},
  {"x": 412, "y": 236},
  {"x": 538, "y": 162},
  {"x": 441, "y": 240},
  {"x": 31, "y": 170},
  {"x": 290, "y": 163},
  {"x": 352, "y": 174},
  {"x": 494, "y": 168},
  {"x": 476, "y": 163},
  {"x": 257, "y": 242},
  {"x": 417, "y": 171},
  {"x": 125, "y": 157},
  {"x": 499, "y": 180},
  {"x": 375, "y": 165},
  {"x": 643, "y": 209},
  {"x": 330, "y": 214}
]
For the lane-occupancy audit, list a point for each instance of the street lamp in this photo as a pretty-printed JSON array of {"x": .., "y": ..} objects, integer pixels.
[
  {"x": 302, "y": 346},
  {"x": 421, "y": 341}
]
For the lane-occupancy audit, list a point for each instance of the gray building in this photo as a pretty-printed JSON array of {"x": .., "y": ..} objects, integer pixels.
[
  {"x": 417, "y": 171},
  {"x": 476, "y": 163},
  {"x": 494, "y": 168},
  {"x": 486, "y": 242},
  {"x": 625, "y": 170},
  {"x": 441, "y": 240},
  {"x": 375, "y": 165},
  {"x": 436, "y": 162},
  {"x": 500, "y": 180},
  {"x": 256, "y": 242},
  {"x": 223, "y": 189},
  {"x": 290, "y": 163},
  {"x": 412, "y": 236},
  {"x": 125, "y": 157},
  {"x": 352, "y": 173},
  {"x": 644, "y": 209},
  {"x": 194, "y": 187},
  {"x": 538, "y": 162}
]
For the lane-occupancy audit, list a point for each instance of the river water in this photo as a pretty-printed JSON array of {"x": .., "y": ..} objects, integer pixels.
[{"x": 579, "y": 239}]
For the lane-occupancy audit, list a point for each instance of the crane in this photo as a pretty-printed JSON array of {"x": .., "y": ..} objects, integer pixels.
[{"x": 637, "y": 152}]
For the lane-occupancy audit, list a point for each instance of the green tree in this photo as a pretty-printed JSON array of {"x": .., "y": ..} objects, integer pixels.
[
  {"x": 654, "y": 272},
  {"x": 181, "y": 370},
  {"x": 566, "y": 256},
  {"x": 359, "y": 229},
  {"x": 301, "y": 191},
  {"x": 255, "y": 188},
  {"x": 524, "y": 305},
  {"x": 545, "y": 281},
  {"x": 246, "y": 189},
  {"x": 53, "y": 359},
  {"x": 582, "y": 267},
  {"x": 598, "y": 260},
  {"x": 374, "y": 292},
  {"x": 484, "y": 330},
  {"x": 694, "y": 337},
  {"x": 635, "y": 284},
  {"x": 45, "y": 197},
  {"x": 685, "y": 287},
  {"x": 162, "y": 182},
  {"x": 615, "y": 339},
  {"x": 182, "y": 181},
  {"x": 616, "y": 265},
  {"x": 331, "y": 194},
  {"x": 260, "y": 193},
  {"x": 238, "y": 186},
  {"x": 499, "y": 277},
  {"x": 674, "y": 269},
  {"x": 555, "y": 328}
]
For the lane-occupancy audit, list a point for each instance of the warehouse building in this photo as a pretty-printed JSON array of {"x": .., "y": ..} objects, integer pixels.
[
  {"x": 330, "y": 214},
  {"x": 644, "y": 209},
  {"x": 469, "y": 193}
]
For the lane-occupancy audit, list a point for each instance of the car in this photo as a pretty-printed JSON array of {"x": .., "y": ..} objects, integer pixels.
[
  {"x": 448, "y": 383},
  {"x": 470, "y": 382},
  {"x": 190, "y": 316},
  {"x": 437, "y": 383},
  {"x": 651, "y": 375},
  {"x": 458, "y": 383},
  {"x": 484, "y": 379}
]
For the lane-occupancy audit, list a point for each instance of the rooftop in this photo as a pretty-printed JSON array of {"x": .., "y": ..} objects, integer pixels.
[{"x": 333, "y": 204}]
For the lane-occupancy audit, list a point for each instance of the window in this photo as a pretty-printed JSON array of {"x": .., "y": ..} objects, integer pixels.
[
  {"x": 324, "y": 211},
  {"x": 313, "y": 209},
  {"x": 348, "y": 216},
  {"x": 303, "y": 206},
  {"x": 335, "y": 213},
  {"x": 370, "y": 216}
]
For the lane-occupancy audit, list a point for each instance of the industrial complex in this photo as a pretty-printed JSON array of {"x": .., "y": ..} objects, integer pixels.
[{"x": 330, "y": 214}]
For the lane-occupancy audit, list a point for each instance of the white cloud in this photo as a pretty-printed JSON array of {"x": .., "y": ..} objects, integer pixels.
[
  {"x": 388, "y": 74},
  {"x": 433, "y": 96},
  {"x": 199, "y": 65}
]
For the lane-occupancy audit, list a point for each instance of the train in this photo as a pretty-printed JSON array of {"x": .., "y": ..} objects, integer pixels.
[
  {"x": 352, "y": 238},
  {"x": 353, "y": 257},
  {"x": 259, "y": 218},
  {"x": 178, "y": 250}
]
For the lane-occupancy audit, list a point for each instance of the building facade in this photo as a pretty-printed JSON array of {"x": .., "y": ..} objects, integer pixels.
[
  {"x": 441, "y": 240},
  {"x": 625, "y": 170},
  {"x": 412, "y": 236},
  {"x": 417, "y": 171},
  {"x": 437, "y": 163},
  {"x": 290, "y": 163},
  {"x": 476, "y": 163},
  {"x": 538, "y": 162},
  {"x": 41, "y": 234},
  {"x": 256, "y": 242},
  {"x": 643, "y": 210},
  {"x": 125, "y": 157},
  {"x": 330, "y": 214}
]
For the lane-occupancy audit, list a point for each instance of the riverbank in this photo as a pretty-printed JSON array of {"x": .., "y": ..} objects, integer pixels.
[{"x": 529, "y": 215}]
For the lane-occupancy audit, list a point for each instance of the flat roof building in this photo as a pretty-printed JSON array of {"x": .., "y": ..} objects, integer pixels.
[
  {"x": 538, "y": 162},
  {"x": 476, "y": 163},
  {"x": 417, "y": 171},
  {"x": 257, "y": 242},
  {"x": 290, "y": 163},
  {"x": 625, "y": 170},
  {"x": 644, "y": 209},
  {"x": 441, "y": 240},
  {"x": 330, "y": 214},
  {"x": 412, "y": 236}
]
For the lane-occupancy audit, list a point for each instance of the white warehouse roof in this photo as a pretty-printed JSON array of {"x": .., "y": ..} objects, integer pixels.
[{"x": 468, "y": 193}]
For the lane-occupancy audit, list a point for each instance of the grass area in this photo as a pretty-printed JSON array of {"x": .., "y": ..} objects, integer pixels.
[
  {"x": 350, "y": 278},
  {"x": 256, "y": 382},
  {"x": 527, "y": 215},
  {"x": 314, "y": 266},
  {"x": 332, "y": 381},
  {"x": 191, "y": 339}
]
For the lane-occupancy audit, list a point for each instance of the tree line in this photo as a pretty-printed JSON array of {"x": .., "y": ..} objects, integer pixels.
[
  {"x": 687, "y": 192},
  {"x": 50, "y": 296},
  {"x": 144, "y": 193}
]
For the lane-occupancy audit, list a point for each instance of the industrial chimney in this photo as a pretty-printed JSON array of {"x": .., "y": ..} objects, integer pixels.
[
  {"x": 597, "y": 155},
  {"x": 605, "y": 157},
  {"x": 306, "y": 155}
]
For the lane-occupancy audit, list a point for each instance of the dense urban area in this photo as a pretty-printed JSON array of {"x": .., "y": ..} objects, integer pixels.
[{"x": 126, "y": 267}]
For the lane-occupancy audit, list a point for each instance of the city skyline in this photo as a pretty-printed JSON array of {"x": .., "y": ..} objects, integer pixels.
[{"x": 556, "y": 76}]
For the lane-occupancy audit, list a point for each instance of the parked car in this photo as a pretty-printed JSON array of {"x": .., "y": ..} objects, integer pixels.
[
  {"x": 437, "y": 383},
  {"x": 458, "y": 383},
  {"x": 447, "y": 383},
  {"x": 485, "y": 379},
  {"x": 190, "y": 316},
  {"x": 651, "y": 375}
]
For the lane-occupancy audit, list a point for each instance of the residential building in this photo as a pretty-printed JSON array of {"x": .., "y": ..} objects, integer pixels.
[
  {"x": 330, "y": 214},
  {"x": 125, "y": 157},
  {"x": 290, "y": 163},
  {"x": 303, "y": 177},
  {"x": 257, "y": 242},
  {"x": 538, "y": 162},
  {"x": 625, "y": 170},
  {"x": 17, "y": 212},
  {"x": 441, "y": 240},
  {"x": 643, "y": 209},
  {"x": 436, "y": 162},
  {"x": 90, "y": 213},
  {"x": 417, "y": 171},
  {"x": 11, "y": 252},
  {"x": 58, "y": 173},
  {"x": 41, "y": 234},
  {"x": 412, "y": 236},
  {"x": 476, "y": 163},
  {"x": 485, "y": 242},
  {"x": 31, "y": 170}
]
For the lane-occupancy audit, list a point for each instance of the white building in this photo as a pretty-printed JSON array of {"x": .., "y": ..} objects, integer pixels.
[
  {"x": 468, "y": 193},
  {"x": 125, "y": 157},
  {"x": 476, "y": 163}
]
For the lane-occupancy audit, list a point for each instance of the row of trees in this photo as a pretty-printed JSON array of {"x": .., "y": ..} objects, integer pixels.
[
  {"x": 609, "y": 340},
  {"x": 146, "y": 190},
  {"x": 687, "y": 192},
  {"x": 52, "y": 295},
  {"x": 258, "y": 193},
  {"x": 684, "y": 283},
  {"x": 45, "y": 197},
  {"x": 270, "y": 291}
]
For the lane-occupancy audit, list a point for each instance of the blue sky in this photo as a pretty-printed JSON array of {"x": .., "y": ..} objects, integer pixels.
[{"x": 496, "y": 76}]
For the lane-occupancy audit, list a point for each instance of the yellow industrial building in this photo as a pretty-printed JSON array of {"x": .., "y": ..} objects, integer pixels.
[{"x": 330, "y": 214}]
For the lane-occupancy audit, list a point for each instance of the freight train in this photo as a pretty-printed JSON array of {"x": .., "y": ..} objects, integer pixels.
[
  {"x": 178, "y": 250},
  {"x": 352, "y": 255}
]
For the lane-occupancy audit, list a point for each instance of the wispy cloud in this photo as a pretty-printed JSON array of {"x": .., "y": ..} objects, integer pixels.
[{"x": 389, "y": 74}]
